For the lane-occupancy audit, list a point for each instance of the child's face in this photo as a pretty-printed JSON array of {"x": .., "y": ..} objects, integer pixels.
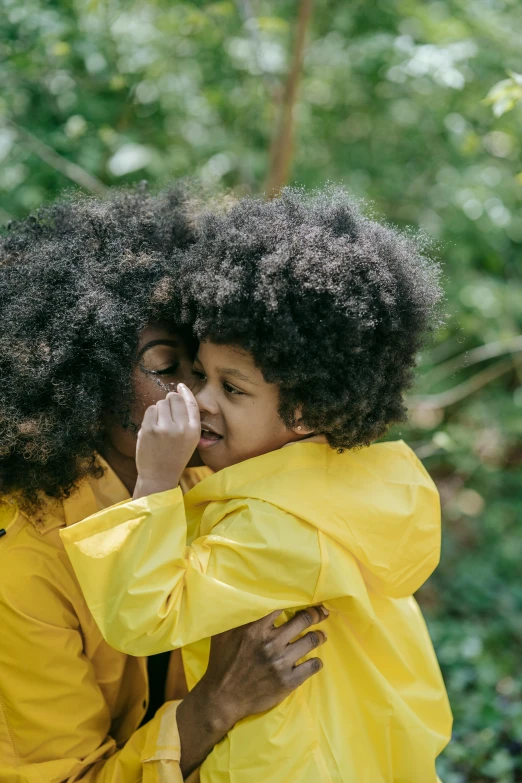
[{"x": 239, "y": 417}]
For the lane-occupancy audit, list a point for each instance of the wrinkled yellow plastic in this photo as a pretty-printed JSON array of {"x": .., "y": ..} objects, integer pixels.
[
  {"x": 359, "y": 531},
  {"x": 70, "y": 705}
]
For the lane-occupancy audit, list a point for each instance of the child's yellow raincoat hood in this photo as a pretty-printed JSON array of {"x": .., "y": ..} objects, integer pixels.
[
  {"x": 379, "y": 503},
  {"x": 359, "y": 531}
]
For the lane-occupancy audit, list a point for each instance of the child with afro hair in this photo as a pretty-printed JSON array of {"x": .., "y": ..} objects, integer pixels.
[{"x": 309, "y": 317}]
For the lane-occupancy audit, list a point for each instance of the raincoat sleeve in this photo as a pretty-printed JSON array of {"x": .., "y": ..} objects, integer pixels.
[
  {"x": 54, "y": 719},
  {"x": 151, "y": 755},
  {"x": 150, "y": 592}
]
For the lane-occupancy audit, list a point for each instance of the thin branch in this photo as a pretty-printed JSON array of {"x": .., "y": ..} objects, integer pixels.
[
  {"x": 281, "y": 147},
  {"x": 468, "y": 387},
  {"x": 70, "y": 170},
  {"x": 475, "y": 356},
  {"x": 441, "y": 352}
]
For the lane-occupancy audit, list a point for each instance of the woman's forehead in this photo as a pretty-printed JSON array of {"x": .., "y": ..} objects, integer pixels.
[{"x": 158, "y": 331}]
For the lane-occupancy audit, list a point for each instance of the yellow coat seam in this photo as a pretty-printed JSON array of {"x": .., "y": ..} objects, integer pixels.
[{"x": 9, "y": 728}]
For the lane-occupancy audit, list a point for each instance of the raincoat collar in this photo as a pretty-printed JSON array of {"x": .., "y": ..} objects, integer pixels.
[
  {"x": 91, "y": 495},
  {"x": 367, "y": 500},
  {"x": 95, "y": 494}
]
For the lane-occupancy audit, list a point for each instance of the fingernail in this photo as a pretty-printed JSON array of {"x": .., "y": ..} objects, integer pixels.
[
  {"x": 325, "y": 636},
  {"x": 182, "y": 385},
  {"x": 325, "y": 611}
]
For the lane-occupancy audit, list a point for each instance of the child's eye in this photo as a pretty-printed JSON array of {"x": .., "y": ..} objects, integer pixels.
[
  {"x": 200, "y": 375},
  {"x": 231, "y": 389}
]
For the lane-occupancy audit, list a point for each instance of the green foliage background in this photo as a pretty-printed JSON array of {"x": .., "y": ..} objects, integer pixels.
[{"x": 391, "y": 104}]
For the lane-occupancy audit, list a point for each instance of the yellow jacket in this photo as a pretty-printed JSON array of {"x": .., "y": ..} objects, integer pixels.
[
  {"x": 70, "y": 705},
  {"x": 359, "y": 531}
]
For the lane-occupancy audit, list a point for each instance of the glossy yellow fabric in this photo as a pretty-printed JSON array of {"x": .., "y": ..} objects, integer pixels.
[
  {"x": 359, "y": 531},
  {"x": 70, "y": 705}
]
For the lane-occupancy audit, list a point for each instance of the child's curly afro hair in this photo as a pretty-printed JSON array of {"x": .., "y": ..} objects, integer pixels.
[
  {"x": 78, "y": 281},
  {"x": 332, "y": 305}
]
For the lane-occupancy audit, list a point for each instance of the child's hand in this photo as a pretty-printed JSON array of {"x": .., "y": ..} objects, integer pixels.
[{"x": 167, "y": 439}]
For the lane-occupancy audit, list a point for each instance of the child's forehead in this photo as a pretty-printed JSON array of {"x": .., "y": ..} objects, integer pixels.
[
  {"x": 208, "y": 349},
  {"x": 228, "y": 356}
]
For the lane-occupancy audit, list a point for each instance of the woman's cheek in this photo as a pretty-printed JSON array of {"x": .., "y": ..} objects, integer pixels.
[
  {"x": 147, "y": 392},
  {"x": 122, "y": 439}
]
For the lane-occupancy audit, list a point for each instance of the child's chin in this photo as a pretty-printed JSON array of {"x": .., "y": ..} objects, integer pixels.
[{"x": 213, "y": 461}]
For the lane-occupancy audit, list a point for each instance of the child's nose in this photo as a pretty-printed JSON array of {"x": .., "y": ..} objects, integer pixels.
[{"x": 205, "y": 400}]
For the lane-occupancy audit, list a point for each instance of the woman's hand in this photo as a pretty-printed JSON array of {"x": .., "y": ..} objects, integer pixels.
[
  {"x": 168, "y": 437},
  {"x": 251, "y": 669}
]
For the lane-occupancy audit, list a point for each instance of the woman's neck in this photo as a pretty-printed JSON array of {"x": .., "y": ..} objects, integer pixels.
[{"x": 123, "y": 465}]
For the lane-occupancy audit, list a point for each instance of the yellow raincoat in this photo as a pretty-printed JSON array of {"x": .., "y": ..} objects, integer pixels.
[
  {"x": 70, "y": 705},
  {"x": 359, "y": 531}
]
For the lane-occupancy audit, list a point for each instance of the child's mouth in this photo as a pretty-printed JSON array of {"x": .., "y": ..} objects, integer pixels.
[{"x": 208, "y": 438}]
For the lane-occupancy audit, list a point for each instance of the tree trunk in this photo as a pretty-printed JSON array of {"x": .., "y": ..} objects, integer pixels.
[{"x": 282, "y": 142}]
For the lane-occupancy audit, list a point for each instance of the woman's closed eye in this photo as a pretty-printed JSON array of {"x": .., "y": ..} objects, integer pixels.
[
  {"x": 172, "y": 369},
  {"x": 162, "y": 369}
]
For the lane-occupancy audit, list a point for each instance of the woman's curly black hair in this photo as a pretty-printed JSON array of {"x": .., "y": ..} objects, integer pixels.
[
  {"x": 78, "y": 281},
  {"x": 332, "y": 305}
]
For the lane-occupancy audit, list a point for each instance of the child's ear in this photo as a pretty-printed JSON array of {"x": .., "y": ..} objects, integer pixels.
[{"x": 299, "y": 428}]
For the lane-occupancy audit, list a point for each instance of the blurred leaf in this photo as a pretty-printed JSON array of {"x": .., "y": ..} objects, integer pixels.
[{"x": 505, "y": 95}]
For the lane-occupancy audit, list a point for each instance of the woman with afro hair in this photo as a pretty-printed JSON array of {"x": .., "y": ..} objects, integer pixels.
[
  {"x": 309, "y": 317},
  {"x": 87, "y": 343}
]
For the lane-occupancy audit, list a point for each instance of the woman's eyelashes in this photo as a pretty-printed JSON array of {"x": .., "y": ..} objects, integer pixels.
[{"x": 170, "y": 370}]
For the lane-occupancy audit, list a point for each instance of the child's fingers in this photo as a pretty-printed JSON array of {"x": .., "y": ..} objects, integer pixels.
[
  {"x": 164, "y": 413},
  {"x": 178, "y": 409},
  {"x": 194, "y": 417},
  {"x": 150, "y": 418}
]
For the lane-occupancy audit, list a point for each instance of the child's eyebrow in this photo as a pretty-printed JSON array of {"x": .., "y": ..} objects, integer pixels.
[
  {"x": 233, "y": 371},
  {"x": 236, "y": 374}
]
